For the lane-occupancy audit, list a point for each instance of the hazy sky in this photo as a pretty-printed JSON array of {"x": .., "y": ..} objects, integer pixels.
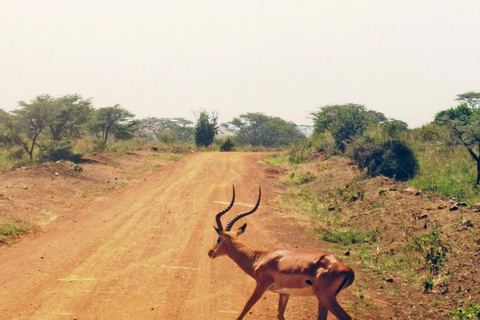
[{"x": 406, "y": 58}]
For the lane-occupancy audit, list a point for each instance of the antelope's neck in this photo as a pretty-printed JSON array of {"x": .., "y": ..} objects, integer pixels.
[{"x": 245, "y": 257}]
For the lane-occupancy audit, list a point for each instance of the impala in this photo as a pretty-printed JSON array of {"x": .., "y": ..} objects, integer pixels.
[{"x": 286, "y": 272}]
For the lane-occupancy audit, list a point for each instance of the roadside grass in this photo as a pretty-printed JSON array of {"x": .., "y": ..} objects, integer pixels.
[
  {"x": 347, "y": 238},
  {"x": 277, "y": 159},
  {"x": 8, "y": 231},
  {"x": 369, "y": 223},
  {"x": 11, "y": 159},
  {"x": 470, "y": 311},
  {"x": 449, "y": 171},
  {"x": 126, "y": 145}
]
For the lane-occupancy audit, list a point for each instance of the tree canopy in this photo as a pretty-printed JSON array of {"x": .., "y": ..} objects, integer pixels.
[
  {"x": 71, "y": 112},
  {"x": 463, "y": 122},
  {"x": 115, "y": 121},
  {"x": 258, "y": 129},
  {"x": 345, "y": 122},
  {"x": 168, "y": 129},
  {"x": 52, "y": 119},
  {"x": 206, "y": 128},
  {"x": 472, "y": 99}
]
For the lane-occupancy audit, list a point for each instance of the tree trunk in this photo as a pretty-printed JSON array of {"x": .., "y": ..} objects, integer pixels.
[
  {"x": 477, "y": 158},
  {"x": 478, "y": 171}
]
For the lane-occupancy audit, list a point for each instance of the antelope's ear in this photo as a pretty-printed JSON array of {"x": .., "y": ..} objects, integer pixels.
[
  {"x": 218, "y": 230},
  {"x": 241, "y": 230}
]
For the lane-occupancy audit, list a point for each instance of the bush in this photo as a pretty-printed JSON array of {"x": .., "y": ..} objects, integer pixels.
[
  {"x": 59, "y": 150},
  {"x": 348, "y": 237},
  {"x": 432, "y": 249},
  {"x": 302, "y": 178},
  {"x": 470, "y": 312},
  {"x": 310, "y": 147},
  {"x": 17, "y": 154},
  {"x": 76, "y": 168},
  {"x": 430, "y": 133},
  {"x": 8, "y": 230},
  {"x": 227, "y": 145},
  {"x": 393, "y": 159},
  {"x": 299, "y": 154}
]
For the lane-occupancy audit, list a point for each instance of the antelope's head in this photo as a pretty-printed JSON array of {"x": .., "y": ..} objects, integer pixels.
[{"x": 225, "y": 236}]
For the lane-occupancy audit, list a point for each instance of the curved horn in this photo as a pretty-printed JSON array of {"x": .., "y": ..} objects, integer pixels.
[
  {"x": 220, "y": 214},
  {"x": 241, "y": 215}
]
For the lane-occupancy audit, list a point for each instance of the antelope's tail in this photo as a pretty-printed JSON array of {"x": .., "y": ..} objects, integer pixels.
[{"x": 347, "y": 281}]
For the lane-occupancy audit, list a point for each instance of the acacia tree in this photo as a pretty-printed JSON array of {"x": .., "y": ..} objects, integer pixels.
[
  {"x": 46, "y": 122},
  {"x": 463, "y": 123},
  {"x": 166, "y": 129},
  {"x": 183, "y": 129},
  {"x": 206, "y": 128},
  {"x": 345, "y": 122},
  {"x": 472, "y": 99},
  {"x": 160, "y": 127},
  {"x": 26, "y": 124},
  {"x": 71, "y": 112},
  {"x": 258, "y": 129},
  {"x": 112, "y": 121},
  {"x": 6, "y": 138}
]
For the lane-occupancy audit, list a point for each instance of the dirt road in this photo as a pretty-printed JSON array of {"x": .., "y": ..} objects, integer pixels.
[{"x": 140, "y": 252}]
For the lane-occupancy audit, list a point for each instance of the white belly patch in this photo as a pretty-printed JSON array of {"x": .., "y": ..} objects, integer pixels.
[{"x": 306, "y": 291}]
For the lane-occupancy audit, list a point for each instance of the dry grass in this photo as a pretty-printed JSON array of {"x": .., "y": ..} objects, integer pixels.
[{"x": 407, "y": 246}]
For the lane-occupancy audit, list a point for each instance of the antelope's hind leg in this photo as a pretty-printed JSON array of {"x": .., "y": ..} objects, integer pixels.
[
  {"x": 322, "y": 312},
  {"x": 282, "y": 304},
  {"x": 325, "y": 305},
  {"x": 338, "y": 311}
]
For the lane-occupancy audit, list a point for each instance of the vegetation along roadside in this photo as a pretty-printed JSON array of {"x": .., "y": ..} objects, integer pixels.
[{"x": 399, "y": 204}]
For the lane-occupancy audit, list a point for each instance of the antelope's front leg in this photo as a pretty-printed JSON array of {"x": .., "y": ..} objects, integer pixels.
[{"x": 257, "y": 294}]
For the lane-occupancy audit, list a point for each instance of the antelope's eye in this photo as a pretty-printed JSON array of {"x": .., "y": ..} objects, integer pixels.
[{"x": 218, "y": 240}]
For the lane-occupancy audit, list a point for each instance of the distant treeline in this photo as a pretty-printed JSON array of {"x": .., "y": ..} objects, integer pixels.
[{"x": 45, "y": 128}]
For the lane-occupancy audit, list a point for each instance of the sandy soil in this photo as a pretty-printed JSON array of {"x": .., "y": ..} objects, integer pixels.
[{"x": 140, "y": 251}]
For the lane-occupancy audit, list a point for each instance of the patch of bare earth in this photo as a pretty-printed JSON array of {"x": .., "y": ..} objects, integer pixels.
[{"x": 42, "y": 193}]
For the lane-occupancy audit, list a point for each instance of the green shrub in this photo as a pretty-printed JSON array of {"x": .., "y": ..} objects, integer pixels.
[
  {"x": 12, "y": 159},
  {"x": 347, "y": 237},
  {"x": 59, "y": 150},
  {"x": 12, "y": 229},
  {"x": 432, "y": 249},
  {"x": 298, "y": 154},
  {"x": 303, "y": 152},
  {"x": 469, "y": 312},
  {"x": 76, "y": 168},
  {"x": 392, "y": 158},
  {"x": 430, "y": 133},
  {"x": 16, "y": 154},
  {"x": 227, "y": 145},
  {"x": 302, "y": 177}
]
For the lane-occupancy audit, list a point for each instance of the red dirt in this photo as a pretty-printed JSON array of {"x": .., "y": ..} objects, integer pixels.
[{"x": 140, "y": 252}]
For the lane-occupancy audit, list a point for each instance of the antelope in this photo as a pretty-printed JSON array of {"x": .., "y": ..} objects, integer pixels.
[{"x": 286, "y": 272}]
